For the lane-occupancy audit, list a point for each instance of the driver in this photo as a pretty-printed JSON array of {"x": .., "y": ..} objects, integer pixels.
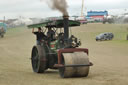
[
  {"x": 51, "y": 34},
  {"x": 39, "y": 36}
]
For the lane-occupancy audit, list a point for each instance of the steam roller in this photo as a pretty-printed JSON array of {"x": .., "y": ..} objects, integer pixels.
[{"x": 60, "y": 51}]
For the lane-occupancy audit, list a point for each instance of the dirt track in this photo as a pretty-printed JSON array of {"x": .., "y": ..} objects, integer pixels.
[{"x": 110, "y": 61}]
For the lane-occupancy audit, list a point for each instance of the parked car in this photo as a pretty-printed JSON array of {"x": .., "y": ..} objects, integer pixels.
[{"x": 104, "y": 36}]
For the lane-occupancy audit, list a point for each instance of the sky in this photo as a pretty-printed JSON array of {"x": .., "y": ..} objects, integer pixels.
[{"x": 39, "y": 9}]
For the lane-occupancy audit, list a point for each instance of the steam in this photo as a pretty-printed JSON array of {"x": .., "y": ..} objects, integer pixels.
[{"x": 60, "y": 5}]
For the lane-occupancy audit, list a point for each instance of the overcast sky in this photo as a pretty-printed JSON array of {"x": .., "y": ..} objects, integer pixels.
[{"x": 36, "y": 8}]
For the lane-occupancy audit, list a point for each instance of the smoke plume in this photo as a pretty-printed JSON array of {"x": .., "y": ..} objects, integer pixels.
[{"x": 60, "y": 5}]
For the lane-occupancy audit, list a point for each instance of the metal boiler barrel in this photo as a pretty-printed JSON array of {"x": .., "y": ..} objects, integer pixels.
[{"x": 73, "y": 63}]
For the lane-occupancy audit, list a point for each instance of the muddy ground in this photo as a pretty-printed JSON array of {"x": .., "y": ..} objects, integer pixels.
[{"x": 110, "y": 58}]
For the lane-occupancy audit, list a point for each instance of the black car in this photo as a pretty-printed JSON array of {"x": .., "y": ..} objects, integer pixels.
[{"x": 104, "y": 36}]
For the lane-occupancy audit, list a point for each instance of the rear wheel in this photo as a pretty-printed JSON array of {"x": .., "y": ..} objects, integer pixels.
[
  {"x": 96, "y": 39},
  {"x": 110, "y": 38},
  {"x": 38, "y": 59}
]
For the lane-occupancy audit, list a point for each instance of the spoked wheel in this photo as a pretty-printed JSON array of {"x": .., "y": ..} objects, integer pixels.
[
  {"x": 78, "y": 58},
  {"x": 38, "y": 59}
]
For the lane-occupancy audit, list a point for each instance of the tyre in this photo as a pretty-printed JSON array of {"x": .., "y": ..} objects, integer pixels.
[
  {"x": 96, "y": 39},
  {"x": 2, "y": 36},
  {"x": 38, "y": 59},
  {"x": 109, "y": 38}
]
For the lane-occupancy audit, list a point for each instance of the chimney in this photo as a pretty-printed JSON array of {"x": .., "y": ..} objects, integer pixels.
[{"x": 66, "y": 27}]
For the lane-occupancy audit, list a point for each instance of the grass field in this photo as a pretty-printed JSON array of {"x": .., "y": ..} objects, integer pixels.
[{"x": 109, "y": 57}]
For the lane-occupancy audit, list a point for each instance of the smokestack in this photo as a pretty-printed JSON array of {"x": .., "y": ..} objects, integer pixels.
[
  {"x": 61, "y": 5},
  {"x": 66, "y": 27}
]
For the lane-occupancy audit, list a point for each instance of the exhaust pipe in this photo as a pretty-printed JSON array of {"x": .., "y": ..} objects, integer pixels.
[{"x": 66, "y": 27}]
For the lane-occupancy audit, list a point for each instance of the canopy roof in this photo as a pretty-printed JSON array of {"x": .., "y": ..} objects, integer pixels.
[{"x": 56, "y": 24}]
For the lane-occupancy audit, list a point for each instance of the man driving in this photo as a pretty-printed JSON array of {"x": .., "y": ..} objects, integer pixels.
[{"x": 51, "y": 34}]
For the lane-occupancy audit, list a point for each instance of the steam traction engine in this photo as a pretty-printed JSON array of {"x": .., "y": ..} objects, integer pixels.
[{"x": 62, "y": 52}]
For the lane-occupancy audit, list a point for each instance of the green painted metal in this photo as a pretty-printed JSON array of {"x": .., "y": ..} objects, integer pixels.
[
  {"x": 56, "y": 24},
  {"x": 72, "y": 23},
  {"x": 55, "y": 46}
]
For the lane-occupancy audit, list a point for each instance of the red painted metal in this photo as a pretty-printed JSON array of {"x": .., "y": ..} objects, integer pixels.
[
  {"x": 97, "y": 16},
  {"x": 52, "y": 46},
  {"x": 80, "y": 65},
  {"x": 70, "y": 50},
  {"x": 58, "y": 65}
]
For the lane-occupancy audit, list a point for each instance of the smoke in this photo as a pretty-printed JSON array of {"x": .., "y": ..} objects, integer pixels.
[
  {"x": 119, "y": 19},
  {"x": 123, "y": 19},
  {"x": 60, "y": 5}
]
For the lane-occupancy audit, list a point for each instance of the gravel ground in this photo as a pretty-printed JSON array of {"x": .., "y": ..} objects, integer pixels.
[{"x": 110, "y": 58}]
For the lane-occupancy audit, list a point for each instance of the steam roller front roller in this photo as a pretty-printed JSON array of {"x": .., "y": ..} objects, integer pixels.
[{"x": 75, "y": 65}]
